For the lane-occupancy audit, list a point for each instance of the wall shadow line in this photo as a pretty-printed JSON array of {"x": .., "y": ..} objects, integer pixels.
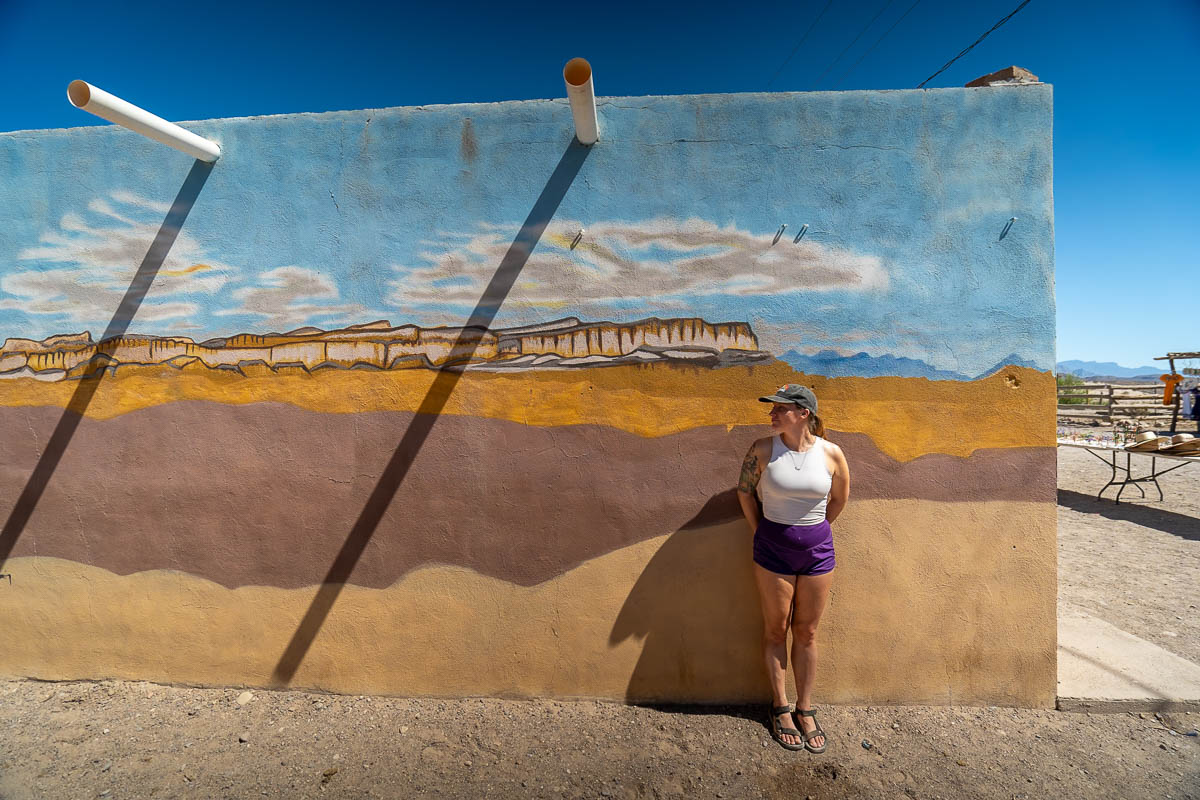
[
  {"x": 427, "y": 413},
  {"x": 85, "y": 390}
]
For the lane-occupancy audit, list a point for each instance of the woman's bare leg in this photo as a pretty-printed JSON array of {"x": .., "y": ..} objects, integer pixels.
[
  {"x": 775, "y": 593},
  {"x": 810, "y": 598}
]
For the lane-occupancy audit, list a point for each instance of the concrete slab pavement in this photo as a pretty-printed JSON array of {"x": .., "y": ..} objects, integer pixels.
[{"x": 1102, "y": 668}]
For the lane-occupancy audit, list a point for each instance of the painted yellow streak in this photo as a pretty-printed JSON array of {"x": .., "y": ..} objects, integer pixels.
[
  {"x": 934, "y": 603},
  {"x": 906, "y": 417},
  {"x": 186, "y": 270}
]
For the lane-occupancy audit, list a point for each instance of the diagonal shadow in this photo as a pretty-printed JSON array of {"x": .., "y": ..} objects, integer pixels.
[
  {"x": 1157, "y": 692},
  {"x": 427, "y": 413},
  {"x": 94, "y": 373},
  {"x": 1174, "y": 523}
]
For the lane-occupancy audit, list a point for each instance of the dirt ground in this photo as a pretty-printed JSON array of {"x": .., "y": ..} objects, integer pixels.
[
  {"x": 116, "y": 739},
  {"x": 1134, "y": 565}
]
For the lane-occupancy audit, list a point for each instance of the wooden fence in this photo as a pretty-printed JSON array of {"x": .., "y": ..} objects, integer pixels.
[{"x": 1116, "y": 402}]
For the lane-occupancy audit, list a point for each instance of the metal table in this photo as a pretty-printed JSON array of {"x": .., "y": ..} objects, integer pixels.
[{"x": 1113, "y": 453}]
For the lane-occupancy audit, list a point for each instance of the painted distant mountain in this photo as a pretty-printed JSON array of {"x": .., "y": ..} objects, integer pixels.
[
  {"x": 1010, "y": 360},
  {"x": 560, "y": 344},
  {"x": 832, "y": 364},
  {"x": 1090, "y": 369}
]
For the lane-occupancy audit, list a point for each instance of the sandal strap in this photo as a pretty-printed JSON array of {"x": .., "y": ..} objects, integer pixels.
[
  {"x": 808, "y": 737},
  {"x": 776, "y": 711},
  {"x": 812, "y": 712}
]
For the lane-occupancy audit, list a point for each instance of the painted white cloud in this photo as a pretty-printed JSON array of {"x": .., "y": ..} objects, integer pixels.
[
  {"x": 62, "y": 292},
  {"x": 290, "y": 297},
  {"x": 622, "y": 263},
  {"x": 88, "y": 262}
]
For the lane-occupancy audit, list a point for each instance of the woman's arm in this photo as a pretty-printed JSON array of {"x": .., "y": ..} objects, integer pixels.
[
  {"x": 752, "y": 468},
  {"x": 839, "y": 492}
]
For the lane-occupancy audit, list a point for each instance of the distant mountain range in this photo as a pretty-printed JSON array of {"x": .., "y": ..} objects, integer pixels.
[
  {"x": 832, "y": 364},
  {"x": 1095, "y": 369}
]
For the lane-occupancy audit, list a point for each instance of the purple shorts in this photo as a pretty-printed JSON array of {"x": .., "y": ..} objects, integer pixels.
[{"x": 794, "y": 549}]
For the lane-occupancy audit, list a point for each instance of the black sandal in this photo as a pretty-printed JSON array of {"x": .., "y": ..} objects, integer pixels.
[
  {"x": 808, "y": 737},
  {"x": 778, "y": 731}
]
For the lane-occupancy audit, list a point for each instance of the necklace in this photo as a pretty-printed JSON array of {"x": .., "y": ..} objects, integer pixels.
[{"x": 792, "y": 455}]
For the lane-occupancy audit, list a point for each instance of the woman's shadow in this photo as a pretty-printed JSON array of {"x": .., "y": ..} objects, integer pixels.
[{"x": 696, "y": 609}]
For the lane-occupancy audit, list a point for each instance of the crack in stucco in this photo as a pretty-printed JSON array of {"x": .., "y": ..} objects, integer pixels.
[
  {"x": 856, "y": 147},
  {"x": 37, "y": 447},
  {"x": 361, "y": 476},
  {"x": 606, "y": 104},
  {"x": 759, "y": 145},
  {"x": 690, "y": 141}
]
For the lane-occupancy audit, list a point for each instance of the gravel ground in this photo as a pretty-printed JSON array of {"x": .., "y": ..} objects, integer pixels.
[
  {"x": 1133, "y": 565},
  {"x": 121, "y": 739}
]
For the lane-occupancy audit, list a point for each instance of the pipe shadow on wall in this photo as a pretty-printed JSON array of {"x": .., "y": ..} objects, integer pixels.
[
  {"x": 697, "y": 611},
  {"x": 430, "y": 408},
  {"x": 95, "y": 372}
]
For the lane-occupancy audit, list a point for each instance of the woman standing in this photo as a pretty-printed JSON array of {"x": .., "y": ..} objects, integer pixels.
[{"x": 804, "y": 483}]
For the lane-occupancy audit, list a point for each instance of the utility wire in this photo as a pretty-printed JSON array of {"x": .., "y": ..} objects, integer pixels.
[
  {"x": 966, "y": 50},
  {"x": 852, "y": 43},
  {"x": 877, "y": 41},
  {"x": 796, "y": 49}
]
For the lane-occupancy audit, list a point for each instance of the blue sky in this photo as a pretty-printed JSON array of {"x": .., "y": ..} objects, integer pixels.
[{"x": 1126, "y": 157}]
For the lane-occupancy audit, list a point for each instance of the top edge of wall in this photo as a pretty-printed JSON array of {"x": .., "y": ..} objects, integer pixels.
[{"x": 600, "y": 101}]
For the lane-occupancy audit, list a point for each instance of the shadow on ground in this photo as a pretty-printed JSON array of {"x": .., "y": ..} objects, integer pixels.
[{"x": 1181, "y": 525}]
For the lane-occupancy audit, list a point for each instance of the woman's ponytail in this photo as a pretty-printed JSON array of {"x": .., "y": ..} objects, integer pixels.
[{"x": 815, "y": 426}]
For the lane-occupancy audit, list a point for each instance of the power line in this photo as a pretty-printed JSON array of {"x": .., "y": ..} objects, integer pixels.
[
  {"x": 852, "y": 43},
  {"x": 877, "y": 41},
  {"x": 796, "y": 49},
  {"x": 966, "y": 50}
]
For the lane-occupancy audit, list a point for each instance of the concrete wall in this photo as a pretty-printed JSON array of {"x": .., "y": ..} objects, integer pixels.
[{"x": 359, "y": 408}]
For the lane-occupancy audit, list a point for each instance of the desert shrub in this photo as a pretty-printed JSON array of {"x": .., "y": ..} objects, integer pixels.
[{"x": 1066, "y": 381}]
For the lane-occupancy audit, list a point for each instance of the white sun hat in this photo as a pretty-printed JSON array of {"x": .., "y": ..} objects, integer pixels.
[
  {"x": 1147, "y": 440},
  {"x": 1182, "y": 444}
]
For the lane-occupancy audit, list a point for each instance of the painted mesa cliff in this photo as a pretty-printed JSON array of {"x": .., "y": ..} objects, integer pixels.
[{"x": 560, "y": 344}]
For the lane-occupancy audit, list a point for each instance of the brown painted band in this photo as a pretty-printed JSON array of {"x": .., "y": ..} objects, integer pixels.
[{"x": 266, "y": 494}]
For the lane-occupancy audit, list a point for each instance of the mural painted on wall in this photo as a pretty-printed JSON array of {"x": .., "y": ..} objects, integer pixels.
[{"x": 587, "y": 449}]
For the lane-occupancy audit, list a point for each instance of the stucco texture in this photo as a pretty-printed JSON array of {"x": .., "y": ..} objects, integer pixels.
[
  {"x": 349, "y": 423},
  {"x": 669, "y": 618}
]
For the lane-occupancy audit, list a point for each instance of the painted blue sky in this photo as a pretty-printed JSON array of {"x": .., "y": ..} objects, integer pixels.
[
  {"x": 344, "y": 217},
  {"x": 1126, "y": 160}
]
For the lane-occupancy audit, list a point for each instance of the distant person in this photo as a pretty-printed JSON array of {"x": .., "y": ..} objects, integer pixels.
[{"x": 804, "y": 483}]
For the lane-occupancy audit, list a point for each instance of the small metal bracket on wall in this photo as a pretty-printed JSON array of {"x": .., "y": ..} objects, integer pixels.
[
  {"x": 1007, "y": 227},
  {"x": 5, "y": 575}
]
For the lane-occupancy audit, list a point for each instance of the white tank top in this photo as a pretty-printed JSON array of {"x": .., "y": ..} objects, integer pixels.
[{"x": 794, "y": 487}]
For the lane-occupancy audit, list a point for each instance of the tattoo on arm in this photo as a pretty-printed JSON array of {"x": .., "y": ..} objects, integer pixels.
[{"x": 749, "y": 478}]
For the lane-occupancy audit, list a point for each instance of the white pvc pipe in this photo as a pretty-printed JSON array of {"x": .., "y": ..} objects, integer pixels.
[
  {"x": 99, "y": 102},
  {"x": 578, "y": 76}
]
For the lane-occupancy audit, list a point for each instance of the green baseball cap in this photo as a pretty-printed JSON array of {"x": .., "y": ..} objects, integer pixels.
[{"x": 793, "y": 393}]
